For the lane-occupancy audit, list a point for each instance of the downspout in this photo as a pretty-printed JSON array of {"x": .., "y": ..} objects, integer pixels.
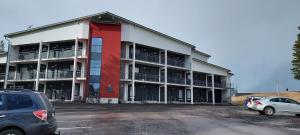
[{"x": 7, "y": 62}]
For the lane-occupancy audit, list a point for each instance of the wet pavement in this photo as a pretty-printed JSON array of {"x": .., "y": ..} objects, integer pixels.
[{"x": 128, "y": 119}]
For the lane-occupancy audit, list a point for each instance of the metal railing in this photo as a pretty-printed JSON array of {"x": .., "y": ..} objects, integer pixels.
[
  {"x": 61, "y": 53},
  {"x": 162, "y": 78},
  {"x": 174, "y": 62},
  {"x": 27, "y": 55},
  {"x": 79, "y": 52},
  {"x": 60, "y": 74},
  {"x": 125, "y": 75},
  {"x": 219, "y": 85},
  {"x": 25, "y": 75},
  {"x": 2, "y": 76},
  {"x": 146, "y": 77},
  {"x": 176, "y": 80},
  {"x": 199, "y": 83},
  {"x": 57, "y": 74},
  {"x": 147, "y": 57},
  {"x": 11, "y": 75}
]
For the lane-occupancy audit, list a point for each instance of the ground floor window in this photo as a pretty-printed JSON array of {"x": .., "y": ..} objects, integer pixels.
[{"x": 59, "y": 90}]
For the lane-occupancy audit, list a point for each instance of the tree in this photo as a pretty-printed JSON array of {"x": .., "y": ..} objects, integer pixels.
[{"x": 296, "y": 60}]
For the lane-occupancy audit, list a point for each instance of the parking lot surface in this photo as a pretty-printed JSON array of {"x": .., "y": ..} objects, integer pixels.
[{"x": 129, "y": 119}]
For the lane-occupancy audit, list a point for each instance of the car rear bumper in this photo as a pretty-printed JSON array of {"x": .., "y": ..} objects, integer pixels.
[{"x": 44, "y": 128}]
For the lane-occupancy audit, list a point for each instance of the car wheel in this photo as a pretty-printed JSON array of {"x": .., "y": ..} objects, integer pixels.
[
  {"x": 11, "y": 131},
  {"x": 269, "y": 111},
  {"x": 261, "y": 112}
]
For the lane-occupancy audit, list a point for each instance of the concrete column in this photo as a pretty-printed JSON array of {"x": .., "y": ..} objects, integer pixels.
[
  {"x": 166, "y": 78},
  {"x": 206, "y": 80},
  {"x": 159, "y": 94},
  {"x": 7, "y": 65},
  {"x": 185, "y": 95},
  {"x": 192, "y": 81},
  {"x": 74, "y": 70},
  {"x": 133, "y": 74},
  {"x": 37, "y": 80},
  {"x": 45, "y": 87},
  {"x": 125, "y": 92},
  {"x": 213, "y": 89}
]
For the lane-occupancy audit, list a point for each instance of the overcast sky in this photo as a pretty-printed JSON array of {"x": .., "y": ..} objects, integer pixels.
[{"x": 253, "y": 38}]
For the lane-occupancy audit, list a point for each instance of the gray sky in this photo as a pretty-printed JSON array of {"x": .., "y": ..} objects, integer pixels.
[{"x": 253, "y": 38}]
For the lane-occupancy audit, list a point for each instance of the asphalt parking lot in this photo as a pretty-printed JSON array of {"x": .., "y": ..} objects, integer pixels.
[{"x": 128, "y": 119}]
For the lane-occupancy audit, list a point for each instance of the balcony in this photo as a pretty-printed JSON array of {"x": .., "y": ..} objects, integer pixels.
[
  {"x": 27, "y": 55},
  {"x": 175, "y": 62},
  {"x": 176, "y": 80},
  {"x": 2, "y": 76},
  {"x": 199, "y": 83},
  {"x": 57, "y": 74},
  {"x": 125, "y": 75},
  {"x": 61, "y": 53},
  {"x": 147, "y": 57},
  {"x": 146, "y": 77},
  {"x": 219, "y": 85},
  {"x": 25, "y": 75}
]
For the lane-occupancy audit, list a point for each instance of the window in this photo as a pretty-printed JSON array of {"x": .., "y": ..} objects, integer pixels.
[
  {"x": 1, "y": 102},
  {"x": 95, "y": 66},
  {"x": 274, "y": 100},
  {"x": 291, "y": 101},
  {"x": 16, "y": 101}
]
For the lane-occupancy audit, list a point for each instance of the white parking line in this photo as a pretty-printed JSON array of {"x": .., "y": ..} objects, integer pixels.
[{"x": 70, "y": 128}]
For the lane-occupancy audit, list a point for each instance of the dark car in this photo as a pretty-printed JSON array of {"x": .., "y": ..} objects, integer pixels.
[{"x": 25, "y": 112}]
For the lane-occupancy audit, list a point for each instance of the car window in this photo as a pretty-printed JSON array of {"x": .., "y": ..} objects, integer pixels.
[
  {"x": 1, "y": 102},
  {"x": 18, "y": 101},
  {"x": 291, "y": 101},
  {"x": 274, "y": 100}
]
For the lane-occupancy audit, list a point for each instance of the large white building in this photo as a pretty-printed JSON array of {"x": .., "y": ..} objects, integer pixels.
[{"x": 107, "y": 57}]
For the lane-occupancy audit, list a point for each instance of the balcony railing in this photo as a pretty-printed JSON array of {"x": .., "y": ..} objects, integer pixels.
[
  {"x": 11, "y": 75},
  {"x": 174, "y": 62},
  {"x": 147, "y": 57},
  {"x": 2, "y": 76},
  {"x": 28, "y": 55},
  {"x": 26, "y": 75},
  {"x": 61, "y": 53},
  {"x": 188, "y": 82},
  {"x": 147, "y": 77},
  {"x": 219, "y": 85},
  {"x": 199, "y": 83},
  {"x": 125, "y": 75},
  {"x": 162, "y": 78},
  {"x": 79, "y": 52},
  {"x": 57, "y": 74},
  {"x": 176, "y": 80}
]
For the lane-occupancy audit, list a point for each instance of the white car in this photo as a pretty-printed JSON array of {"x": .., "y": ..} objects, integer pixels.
[{"x": 269, "y": 106}]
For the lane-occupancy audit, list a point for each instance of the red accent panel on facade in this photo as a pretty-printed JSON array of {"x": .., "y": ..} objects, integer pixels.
[{"x": 111, "y": 53}]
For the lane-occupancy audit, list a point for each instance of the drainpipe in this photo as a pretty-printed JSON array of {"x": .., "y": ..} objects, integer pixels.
[{"x": 7, "y": 62}]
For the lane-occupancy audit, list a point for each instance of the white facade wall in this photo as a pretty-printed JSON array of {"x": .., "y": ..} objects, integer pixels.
[
  {"x": 199, "y": 56},
  {"x": 142, "y": 36},
  {"x": 67, "y": 31},
  {"x": 205, "y": 68}
]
